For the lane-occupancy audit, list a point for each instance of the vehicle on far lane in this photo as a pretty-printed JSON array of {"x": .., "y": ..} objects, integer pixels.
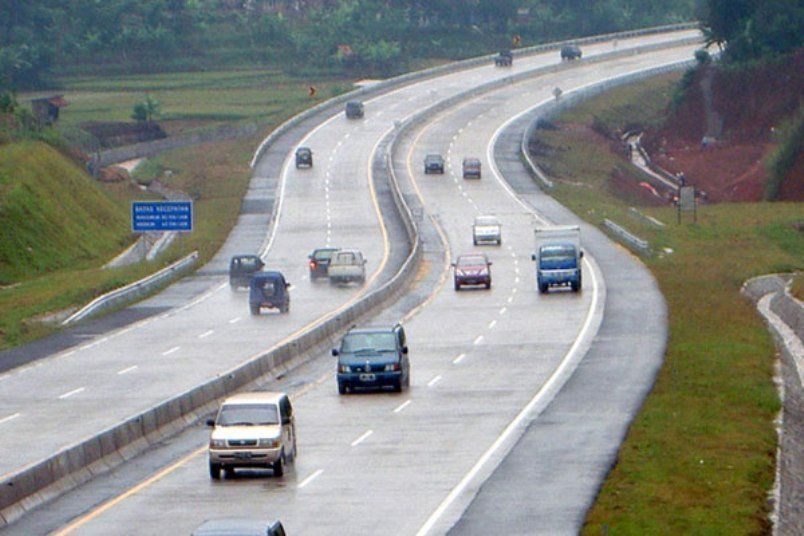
[
  {"x": 355, "y": 110},
  {"x": 373, "y": 357},
  {"x": 236, "y": 526},
  {"x": 472, "y": 269},
  {"x": 571, "y": 52},
  {"x": 268, "y": 289},
  {"x": 504, "y": 59},
  {"x": 241, "y": 268},
  {"x": 319, "y": 262},
  {"x": 304, "y": 157},
  {"x": 252, "y": 430},
  {"x": 471, "y": 168},
  {"x": 433, "y": 163},
  {"x": 486, "y": 229},
  {"x": 346, "y": 266}
]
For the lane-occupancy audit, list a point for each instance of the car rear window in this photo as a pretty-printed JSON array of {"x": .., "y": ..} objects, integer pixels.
[
  {"x": 248, "y": 414},
  {"x": 323, "y": 255},
  {"x": 268, "y": 286},
  {"x": 249, "y": 263},
  {"x": 473, "y": 260}
]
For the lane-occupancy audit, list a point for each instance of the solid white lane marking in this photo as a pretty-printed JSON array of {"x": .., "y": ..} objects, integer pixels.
[
  {"x": 478, "y": 340},
  {"x": 71, "y": 393},
  {"x": 458, "y": 359},
  {"x": 235, "y": 320},
  {"x": 9, "y": 418},
  {"x": 503, "y": 310},
  {"x": 172, "y": 350},
  {"x": 127, "y": 370},
  {"x": 310, "y": 478},
  {"x": 492, "y": 324},
  {"x": 402, "y": 406},
  {"x": 362, "y": 438},
  {"x": 206, "y": 334},
  {"x": 434, "y": 381}
]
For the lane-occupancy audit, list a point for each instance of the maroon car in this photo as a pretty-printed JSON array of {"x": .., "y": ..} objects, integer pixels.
[{"x": 472, "y": 269}]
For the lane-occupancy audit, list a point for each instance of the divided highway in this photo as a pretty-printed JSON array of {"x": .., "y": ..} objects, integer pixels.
[{"x": 484, "y": 363}]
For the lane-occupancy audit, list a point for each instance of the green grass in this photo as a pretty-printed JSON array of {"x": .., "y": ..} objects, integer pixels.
[{"x": 699, "y": 458}]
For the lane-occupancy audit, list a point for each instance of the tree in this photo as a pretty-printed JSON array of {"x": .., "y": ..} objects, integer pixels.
[{"x": 147, "y": 110}]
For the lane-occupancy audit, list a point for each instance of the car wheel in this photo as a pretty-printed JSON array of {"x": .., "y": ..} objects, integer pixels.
[
  {"x": 228, "y": 473},
  {"x": 279, "y": 466},
  {"x": 543, "y": 288},
  {"x": 457, "y": 286},
  {"x": 474, "y": 241},
  {"x": 214, "y": 471},
  {"x": 398, "y": 386},
  {"x": 285, "y": 307},
  {"x": 488, "y": 285},
  {"x": 499, "y": 241},
  {"x": 255, "y": 310},
  {"x": 575, "y": 286},
  {"x": 342, "y": 389}
]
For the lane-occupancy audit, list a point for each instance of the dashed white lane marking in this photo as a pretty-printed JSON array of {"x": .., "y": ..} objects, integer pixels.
[
  {"x": 362, "y": 438},
  {"x": 9, "y": 418},
  {"x": 516, "y": 280},
  {"x": 478, "y": 340},
  {"x": 434, "y": 381},
  {"x": 172, "y": 350},
  {"x": 510, "y": 299},
  {"x": 402, "y": 406},
  {"x": 513, "y": 290},
  {"x": 68, "y": 394},
  {"x": 235, "y": 320},
  {"x": 503, "y": 310},
  {"x": 127, "y": 370},
  {"x": 516, "y": 270},
  {"x": 492, "y": 324},
  {"x": 458, "y": 359},
  {"x": 206, "y": 334},
  {"x": 310, "y": 478}
]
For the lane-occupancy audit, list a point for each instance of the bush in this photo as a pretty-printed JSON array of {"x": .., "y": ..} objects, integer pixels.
[
  {"x": 781, "y": 161},
  {"x": 702, "y": 56}
]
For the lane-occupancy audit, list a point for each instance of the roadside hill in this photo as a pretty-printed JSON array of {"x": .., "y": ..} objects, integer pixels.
[{"x": 52, "y": 214}]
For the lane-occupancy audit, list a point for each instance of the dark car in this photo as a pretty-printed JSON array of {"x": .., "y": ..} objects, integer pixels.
[
  {"x": 241, "y": 268},
  {"x": 373, "y": 358},
  {"x": 433, "y": 163},
  {"x": 319, "y": 262},
  {"x": 472, "y": 269},
  {"x": 268, "y": 290},
  {"x": 304, "y": 157},
  {"x": 504, "y": 59},
  {"x": 471, "y": 168},
  {"x": 571, "y": 52},
  {"x": 235, "y": 526},
  {"x": 354, "y": 110}
]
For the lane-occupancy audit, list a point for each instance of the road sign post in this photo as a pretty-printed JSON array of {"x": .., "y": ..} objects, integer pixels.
[
  {"x": 162, "y": 216},
  {"x": 687, "y": 202}
]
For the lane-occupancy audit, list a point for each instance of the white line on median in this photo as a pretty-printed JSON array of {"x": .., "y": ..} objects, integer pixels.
[
  {"x": 362, "y": 438},
  {"x": 206, "y": 334},
  {"x": 478, "y": 340},
  {"x": 402, "y": 406},
  {"x": 71, "y": 393},
  {"x": 310, "y": 478},
  {"x": 9, "y": 418},
  {"x": 434, "y": 381},
  {"x": 458, "y": 359},
  {"x": 127, "y": 370},
  {"x": 172, "y": 350}
]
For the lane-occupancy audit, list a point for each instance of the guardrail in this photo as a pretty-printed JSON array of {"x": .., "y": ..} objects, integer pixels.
[
  {"x": 36, "y": 483},
  {"x": 642, "y": 246},
  {"x": 129, "y": 293}
]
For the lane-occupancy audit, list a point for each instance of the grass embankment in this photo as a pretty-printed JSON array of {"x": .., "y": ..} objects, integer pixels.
[{"x": 699, "y": 458}]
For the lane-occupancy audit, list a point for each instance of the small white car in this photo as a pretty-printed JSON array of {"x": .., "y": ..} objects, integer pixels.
[{"x": 486, "y": 229}]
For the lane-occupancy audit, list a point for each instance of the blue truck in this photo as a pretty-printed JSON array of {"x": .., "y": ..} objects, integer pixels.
[{"x": 558, "y": 257}]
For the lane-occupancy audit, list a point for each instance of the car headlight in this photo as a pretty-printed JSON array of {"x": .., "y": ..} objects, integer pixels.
[
  {"x": 345, "y": 368},
  {"x": 269, "y": 443},
  {"x": 217, "y": 443}
]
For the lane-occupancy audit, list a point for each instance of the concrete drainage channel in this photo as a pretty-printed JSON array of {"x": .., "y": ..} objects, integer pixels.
[{"x": 35, "y": 484}]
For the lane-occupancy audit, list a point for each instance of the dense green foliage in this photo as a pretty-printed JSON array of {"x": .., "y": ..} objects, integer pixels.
[
  {"x": 781, "y": 161},
  {"x": 753, "y": 29},
  {"x": 360, "y": 36}
]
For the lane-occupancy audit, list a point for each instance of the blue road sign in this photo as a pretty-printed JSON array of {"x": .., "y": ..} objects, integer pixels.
[{"x": 161, "y": 216}]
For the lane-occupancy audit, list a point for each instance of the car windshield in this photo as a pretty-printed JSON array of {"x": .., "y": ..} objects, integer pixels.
[
  {"x": 246, "y": 263},
  {"x": 558, "y": 252},
  {"x": 248, "y": 415},
  {"x": 323, "y": 254},
  {"x": 372, "y": 342},
  {"x": 471, "y": 260}
]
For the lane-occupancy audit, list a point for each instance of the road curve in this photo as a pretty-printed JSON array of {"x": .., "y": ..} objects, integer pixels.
[{"x": 485, "y": 363}]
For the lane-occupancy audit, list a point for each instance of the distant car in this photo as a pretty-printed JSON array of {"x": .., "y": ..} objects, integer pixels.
[
  {"x": 472, "y": 269},
  {"x": 346, "y": 266},
  {"x": 354, "y": 110},
  {"x": 486, "y": 229},
  {"x": 570, "y": 52},
  {"x": 319, "y": 262},
  {"x": 373, "y": 357},
  {"x": 471, "y": 168},
  {"x": 268, "y": 289},
  {"x": 254, "y": 429},
  {"x": 304, "y": 157},
  {"x": 233, "y": 526},
  {"x": 241, "y": 268},
  {"x": 433, "y": 163},
  {"x": 504, "y": 59}
]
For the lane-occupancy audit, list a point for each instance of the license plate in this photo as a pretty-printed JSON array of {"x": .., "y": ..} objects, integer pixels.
[
  {"x": 367, "y": 377},
  {"x": 242, "y": 455}
]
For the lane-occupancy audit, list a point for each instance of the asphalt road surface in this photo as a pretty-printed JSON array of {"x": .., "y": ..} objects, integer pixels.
[{"x": 484, "y": 363}]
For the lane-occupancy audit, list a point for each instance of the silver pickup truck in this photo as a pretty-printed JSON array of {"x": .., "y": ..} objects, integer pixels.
[{"x": 347, "y": 265}]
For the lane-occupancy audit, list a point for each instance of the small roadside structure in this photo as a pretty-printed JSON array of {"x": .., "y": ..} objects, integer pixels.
[{"x": 46, "y": 109}]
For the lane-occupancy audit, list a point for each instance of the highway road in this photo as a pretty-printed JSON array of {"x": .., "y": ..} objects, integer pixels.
[{"x": 484, "y": 363}]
